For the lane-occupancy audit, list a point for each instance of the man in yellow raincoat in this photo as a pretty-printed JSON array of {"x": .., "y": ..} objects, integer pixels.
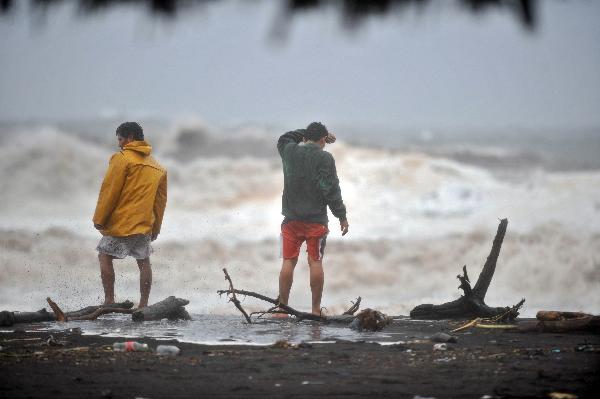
[{"x": 130, "y": 209}]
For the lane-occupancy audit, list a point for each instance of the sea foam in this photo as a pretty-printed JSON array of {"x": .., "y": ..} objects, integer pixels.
[{"x": 415, "y": 219}]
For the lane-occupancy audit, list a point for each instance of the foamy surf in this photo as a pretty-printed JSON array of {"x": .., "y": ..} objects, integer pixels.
[{"x": 415, "y": 218}]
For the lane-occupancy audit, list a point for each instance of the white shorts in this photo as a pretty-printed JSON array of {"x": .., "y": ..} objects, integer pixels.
[{"x": 137, "y": 246}]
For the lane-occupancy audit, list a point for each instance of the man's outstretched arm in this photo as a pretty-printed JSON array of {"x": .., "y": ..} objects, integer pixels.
[{"x": 296, "y": 136}]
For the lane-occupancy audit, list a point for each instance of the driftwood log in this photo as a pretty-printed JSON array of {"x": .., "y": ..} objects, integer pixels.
[
  {"x": 8, "y": 318},
  {"x": 95, "y": 311},
  {"x": 367, "y": 319},
  {"x": 91, "y": 309},
  {"x": 547, "y": 321},
  {"x": 561, "y": 322},
  {"x": 169, "y": 308},
  {"x": 472, "y": 303},
  {"x": 554, "y": 315}
]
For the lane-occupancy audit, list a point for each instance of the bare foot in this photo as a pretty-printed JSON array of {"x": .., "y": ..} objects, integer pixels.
[{"x": 280, "y": 315}]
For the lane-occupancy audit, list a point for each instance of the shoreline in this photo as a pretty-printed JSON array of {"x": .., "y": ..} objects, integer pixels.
[{"x": 499, "y": 364}]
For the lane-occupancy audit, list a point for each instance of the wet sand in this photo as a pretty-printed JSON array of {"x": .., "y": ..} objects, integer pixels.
[{"x": 482, "y": 363}]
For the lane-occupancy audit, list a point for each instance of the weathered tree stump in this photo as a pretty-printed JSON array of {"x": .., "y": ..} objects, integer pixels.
[
  {"x": 472, "y": 303},
  {"x": 170, "y": 308}
]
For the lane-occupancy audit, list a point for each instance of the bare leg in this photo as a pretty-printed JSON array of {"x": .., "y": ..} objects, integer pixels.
[
  {"x": 317, "y": 279},
  {"x": 107, "y": 273},
  {"x": 286, "y": 278},
  {"x": 145, "y": 281}
]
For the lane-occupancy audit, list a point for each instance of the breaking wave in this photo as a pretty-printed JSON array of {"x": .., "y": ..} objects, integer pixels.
[{"x": 416, "y": 217}]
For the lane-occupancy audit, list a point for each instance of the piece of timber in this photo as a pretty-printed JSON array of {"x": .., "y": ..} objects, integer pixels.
[
  {"x": 471, "y": 304},
  {"x": 91, "y": 309},
  {"x": 588, "y": 323},
  {"x": 554, "y": 315},
  {"x": 9, "y": 318},
  {"x": 169, "y": 308}
]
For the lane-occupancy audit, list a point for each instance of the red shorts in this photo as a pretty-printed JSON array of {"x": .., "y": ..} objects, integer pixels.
[{"x": 294, "y": 233}]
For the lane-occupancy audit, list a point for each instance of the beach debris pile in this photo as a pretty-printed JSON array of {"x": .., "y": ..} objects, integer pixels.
[
  {"x": 370, "y": 320},
  {"x": 134, "y": 346}
]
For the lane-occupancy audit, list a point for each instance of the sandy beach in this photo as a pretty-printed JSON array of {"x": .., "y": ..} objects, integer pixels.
[{"x": 482, "y": 363}]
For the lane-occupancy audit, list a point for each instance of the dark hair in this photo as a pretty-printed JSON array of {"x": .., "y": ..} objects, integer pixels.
[
  {"x": 130, "y": 130},
  {"x": 315, "y": 131}
]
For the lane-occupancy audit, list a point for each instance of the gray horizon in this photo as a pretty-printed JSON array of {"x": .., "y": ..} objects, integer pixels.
[{"x": 443, "y": 70}]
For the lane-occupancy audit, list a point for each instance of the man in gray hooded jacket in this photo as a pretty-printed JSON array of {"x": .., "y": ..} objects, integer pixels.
[{"x": 310, "y": 186}]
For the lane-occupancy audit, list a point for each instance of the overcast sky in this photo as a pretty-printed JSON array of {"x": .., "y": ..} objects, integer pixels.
[{"x": 441, "y": 68}]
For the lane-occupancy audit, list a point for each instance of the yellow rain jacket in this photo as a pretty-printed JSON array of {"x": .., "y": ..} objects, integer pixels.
[{"x": 133, "y": 195}]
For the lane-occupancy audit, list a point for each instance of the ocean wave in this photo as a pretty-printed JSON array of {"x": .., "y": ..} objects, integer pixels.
[
  {"x": 415, "y": 219},
  {"x": 542, "y": 266},
  {"x": 51, "y": 179}
]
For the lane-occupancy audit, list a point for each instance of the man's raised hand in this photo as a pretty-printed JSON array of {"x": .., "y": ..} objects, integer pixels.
[
  {"x": 330, "y": 139},
  {"x": 344, "y": 226}
]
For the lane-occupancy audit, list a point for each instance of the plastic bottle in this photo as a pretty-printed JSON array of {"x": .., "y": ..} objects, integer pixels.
[
  {"x": 130, "y": 346},
  {"x": 167, "y": 350}
]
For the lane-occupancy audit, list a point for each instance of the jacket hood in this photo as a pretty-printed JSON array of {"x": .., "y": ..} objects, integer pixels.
[{"x": 139, "y": 146}]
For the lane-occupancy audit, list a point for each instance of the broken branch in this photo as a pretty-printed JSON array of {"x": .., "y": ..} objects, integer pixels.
[
  {"x": 234, "y": 299},
  {"x": 285, "y": 308},
  {"x": 60, "y": 315},
  {"x": 354, "y": 307}
]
